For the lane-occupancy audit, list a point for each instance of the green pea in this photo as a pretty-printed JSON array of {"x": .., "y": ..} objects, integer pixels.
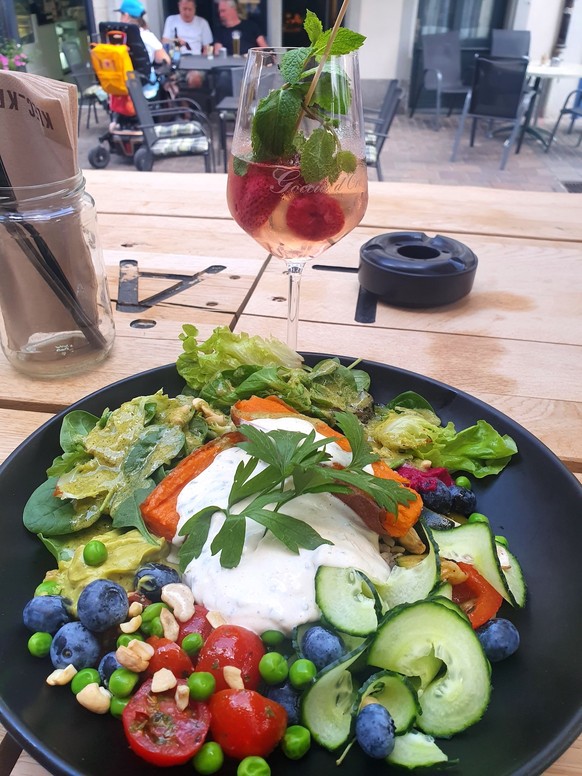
[
  {"x": 502, "y": 540},
  {"x": 201, "y": 685},
  {"x": 152, "y": 611},
  {"x": 48, "y": 587},
  {"x": 124, "y": 639},
  {"x": 273, "y": 668},
  {"x": 117, "y": 706},
  {"x": 84, "y": 677},
  {"x": 301, "y": 673},
  {"x": 477, "y": 517},
  {"x": 296, "y": 742},
  {"x": 152, "y": 627},
  {"x": 272, "y": 638},
  {"x": 95, "y": 553},
  {"x": 192, "y": 643},
  {"x": 39, "y": 644},
  {"x": 463, "y": 482},
  {"x": 253, "y": 766},
  {"x": 122, "y": 682},
  {"x": 208, "y": 759}
]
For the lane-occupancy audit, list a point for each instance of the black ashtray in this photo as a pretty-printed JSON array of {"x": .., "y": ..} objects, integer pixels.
[{"x": 410, "y": 269}]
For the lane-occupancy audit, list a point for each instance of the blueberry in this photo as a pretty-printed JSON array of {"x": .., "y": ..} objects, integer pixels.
[
  {"x": 464, "y": 500},
  {"x": 375, "y": 731},
  {"x": 287, "y": 697},
  {"x": 439, "y": 499},
  {"x": 321, "y": 646},
  {"x": 102, "y": 604},
  {"x": 109, "y": 663},
  {"x": 74, "y": 644},
  {"x": 499, "y": 638},
  {"x": 46, "y": 613},
  {"x": 151, "y": 577}
]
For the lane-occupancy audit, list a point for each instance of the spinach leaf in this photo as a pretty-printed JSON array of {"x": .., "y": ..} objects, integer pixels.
[{"x": 45, "y": 513}]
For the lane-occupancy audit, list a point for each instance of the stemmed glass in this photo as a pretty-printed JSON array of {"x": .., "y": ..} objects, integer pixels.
[{"x": 297, "y": 178}]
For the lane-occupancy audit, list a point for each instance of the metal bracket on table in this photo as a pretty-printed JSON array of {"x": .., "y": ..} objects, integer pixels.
[
  {"x": 128, "y": 300},
  {"x": 367, "y": 303}
]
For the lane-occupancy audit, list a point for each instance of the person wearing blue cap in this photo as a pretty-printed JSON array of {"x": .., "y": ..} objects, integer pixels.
[{"x": 133, "y": 12}]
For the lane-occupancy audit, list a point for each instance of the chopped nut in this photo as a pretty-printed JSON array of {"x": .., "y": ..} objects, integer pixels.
[
  {"x": 411, "y": 541},
  {"x": 180, "y": 598},
  {"x": 135, "y": 608},
  {"x": 163, "y": 680},
  {"x": 95, "y": 698},
  {"x": 169, "y": 625},
  {"x": 135, "y": 656},
  {"x": 208, "y": 413},
  {"x": 132, "y": 625},
  {"x": 61, "y": 676},
  {"x": 451, "y": 572},
  {"x": 182, "y": 696},
  {"x": 233, "y": 677},
  {"x": 215, "y": 619}
]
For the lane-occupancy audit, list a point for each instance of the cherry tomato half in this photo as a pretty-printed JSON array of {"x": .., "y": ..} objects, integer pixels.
[
  {"x": 246, "y": 723},
  {"x": 485, "y": 600},
  {"x": 170, "y": 655},
  {"x": 161, "y": 734},
  {"x": 232, "y": 645}
]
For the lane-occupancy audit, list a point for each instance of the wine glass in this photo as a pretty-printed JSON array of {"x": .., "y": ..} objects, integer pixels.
[{"x": 297, "y": 177}]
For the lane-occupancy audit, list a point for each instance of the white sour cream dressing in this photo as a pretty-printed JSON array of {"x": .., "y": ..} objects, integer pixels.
[{"x": 272, "y": 588}]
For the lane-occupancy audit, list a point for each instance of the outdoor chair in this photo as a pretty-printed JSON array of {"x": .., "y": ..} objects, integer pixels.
[
  {"x": 377, "y": 125},
  {"x": 170, "y": 128},
  {"x": 442, "y": 70},
  {"x": 90, "y": 92},
  {"x": 510, "y": 43},
  {"x": 227, "y": 86},
  {"x": 498, "y": 92},
  {"x": 572, "y": 107}
]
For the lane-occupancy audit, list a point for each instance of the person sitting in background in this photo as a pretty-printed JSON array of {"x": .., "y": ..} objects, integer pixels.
[
  {"x": 192, "y": 33},
  {"x": 230, "y": 21}
]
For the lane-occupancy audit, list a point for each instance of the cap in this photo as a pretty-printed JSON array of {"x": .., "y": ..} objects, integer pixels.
[{"x": 132, "y": 7}]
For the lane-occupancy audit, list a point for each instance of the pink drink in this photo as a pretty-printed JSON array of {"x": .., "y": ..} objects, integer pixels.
[{"x": 290, "y": 218}]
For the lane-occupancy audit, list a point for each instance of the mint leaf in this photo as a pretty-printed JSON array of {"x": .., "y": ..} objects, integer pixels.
[
  {"x": 293, "y": 63},
  {"x": 345, "y": 42},
  {"x": 274, "y": 124},
  {"x": 347, "y": 161},
  {"x": 332, "y": 93},
  {"x": 312, "y": 26},
  {"x": 317, "y": 155},
  {"x": 239, "y": 166}
]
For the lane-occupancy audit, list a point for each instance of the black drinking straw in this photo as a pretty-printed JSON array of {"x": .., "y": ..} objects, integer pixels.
[{"x": 44, "y": 261}]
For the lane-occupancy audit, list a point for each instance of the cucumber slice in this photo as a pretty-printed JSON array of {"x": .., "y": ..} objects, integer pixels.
[
  {"x": 396, "y": 693},
  {"x": 406, "y": 585},
  {"x": 445, "y": 590},
  {"x": 513, "y": 575},
  {"x": 474, "y": 543},
  {"x": 347, "y": 599},
  {"x": 416, "y": 750},
  {"x": 326, "y": 707},
  {"x": 412, "y": 639},
  {"x": 444, "y": 601}
]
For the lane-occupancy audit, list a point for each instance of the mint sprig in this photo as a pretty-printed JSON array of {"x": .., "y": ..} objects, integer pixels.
[
  {"x": 296, "y": 466},
  {"x": 274, "y": 131}
]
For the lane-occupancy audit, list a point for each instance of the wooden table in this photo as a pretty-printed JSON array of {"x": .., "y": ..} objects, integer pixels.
[{"x": 515, "y": 341}]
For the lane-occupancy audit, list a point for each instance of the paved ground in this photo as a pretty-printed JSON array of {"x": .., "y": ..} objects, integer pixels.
[{"x": 416, "y": 152}]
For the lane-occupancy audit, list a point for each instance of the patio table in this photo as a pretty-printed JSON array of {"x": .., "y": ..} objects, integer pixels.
[
  {"x": 515, "y": 341},
  {"x": 543, "y": 74}
]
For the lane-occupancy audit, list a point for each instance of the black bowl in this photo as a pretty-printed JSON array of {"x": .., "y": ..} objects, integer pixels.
[{"x": 535, "y": 711}]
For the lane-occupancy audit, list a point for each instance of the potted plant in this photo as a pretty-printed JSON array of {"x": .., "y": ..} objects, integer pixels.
[{"x": 11, "y": 56}]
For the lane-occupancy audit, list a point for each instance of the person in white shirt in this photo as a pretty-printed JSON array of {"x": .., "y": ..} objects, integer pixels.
[{"x": 192, "y": 33}]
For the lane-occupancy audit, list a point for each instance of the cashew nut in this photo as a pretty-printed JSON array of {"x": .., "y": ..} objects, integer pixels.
[
  {"x": 170, "y": 625},
  {"x": 163, "y": 680},
  {"x": 135, "y": 608},
  {"x": 61, "y": 676},
  {"x": 135, "y": 656},
  {"x": 132, "y": 625},
  {"x": 181, "y": 600},
  {"x": 95, "y": 698},
  {"x": 215, "y": 619},
  {"x": 233, "y": 677}
]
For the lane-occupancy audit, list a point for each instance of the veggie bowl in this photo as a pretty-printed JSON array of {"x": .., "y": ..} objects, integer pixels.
[{"x": 534, "y": 503}]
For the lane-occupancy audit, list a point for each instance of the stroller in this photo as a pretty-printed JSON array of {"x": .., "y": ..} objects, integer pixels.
[{"x": 122, "y": 50}]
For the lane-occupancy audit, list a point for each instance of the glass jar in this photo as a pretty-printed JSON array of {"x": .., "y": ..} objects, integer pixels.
[{"x": 55, "y": 312}]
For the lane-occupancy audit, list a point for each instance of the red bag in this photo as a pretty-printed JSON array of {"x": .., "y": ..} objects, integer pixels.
[{"x": 121, "y": 103}]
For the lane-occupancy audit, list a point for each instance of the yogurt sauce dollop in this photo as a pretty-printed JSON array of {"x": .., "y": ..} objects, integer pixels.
[{"x": 273, "y": 588}]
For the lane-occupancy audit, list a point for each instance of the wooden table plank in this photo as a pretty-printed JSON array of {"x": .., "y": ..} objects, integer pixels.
[
  {"x": 394, "y": 206},
  {"x": 15, "y": 426}
]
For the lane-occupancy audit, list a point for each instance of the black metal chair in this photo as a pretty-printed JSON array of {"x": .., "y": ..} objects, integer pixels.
[
  {"x": 90, "y": 92},
  {"x": 378, "y": 123},
  {"x": 441, "y": 55},
  {"x": 170, "y": 128},
  {"x": 510, "y": 43},
  {"x": 498, "y": 92},
  {"x": 572, "y": 107}
]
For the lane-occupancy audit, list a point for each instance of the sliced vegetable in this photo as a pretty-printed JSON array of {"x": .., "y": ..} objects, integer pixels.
[
  {"x": 412, "y": 583},
  {"x": 396, "y": 693},
  {"x": 477, "y": 598},
  {"x": 348, "y": 600},
  {"x": 416, "y": 750}
]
